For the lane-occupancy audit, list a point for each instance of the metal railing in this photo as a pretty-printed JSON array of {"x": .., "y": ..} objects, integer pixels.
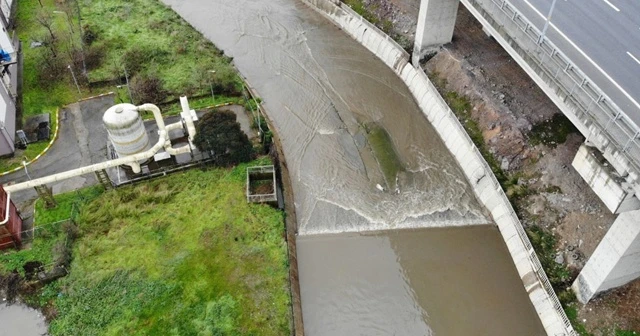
[
  {"x": 585, "y": 99},
  {"x": 532, "y": 256}
]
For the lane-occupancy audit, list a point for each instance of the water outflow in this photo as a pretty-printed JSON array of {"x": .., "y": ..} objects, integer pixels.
[
  {"x": 339, "y": 113},
  {"x": 349, "y": 127}
]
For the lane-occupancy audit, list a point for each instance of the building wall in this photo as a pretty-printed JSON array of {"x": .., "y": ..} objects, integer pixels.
[
  {"x": 7, "y": 122},
  {"x": 8, "y": 84},
  {"x": 10, "y": 232}
]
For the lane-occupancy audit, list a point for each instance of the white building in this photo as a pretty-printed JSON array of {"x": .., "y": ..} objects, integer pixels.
[{"x": 9, "y": 78}]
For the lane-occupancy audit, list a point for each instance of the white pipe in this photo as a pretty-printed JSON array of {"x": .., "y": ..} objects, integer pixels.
[
  {"x": 163, "y": 128},
  {"x": 174, "y": 126},
  {"x": 158, "y": 117},
  {"x": 6, "y": 215},
  {"x": 92, "y": 168},
  {"x": 191, "y": 128},
  {"x": 163, "y": 142},
  {"x": 132, "y": 160},
  {"x": 180, "y": 150},
  {"x": 156, "y": 113}
]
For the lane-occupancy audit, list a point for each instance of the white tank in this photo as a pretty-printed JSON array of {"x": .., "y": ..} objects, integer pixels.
[{"x": 126, "y": 130}]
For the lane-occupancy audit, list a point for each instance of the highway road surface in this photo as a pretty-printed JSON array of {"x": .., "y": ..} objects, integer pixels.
[{"x": 602, "y": 37}]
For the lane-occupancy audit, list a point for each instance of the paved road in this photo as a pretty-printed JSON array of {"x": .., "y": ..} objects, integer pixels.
[
  {"x": 82, "y": 140},
  {"x": 602, "y": 37}
]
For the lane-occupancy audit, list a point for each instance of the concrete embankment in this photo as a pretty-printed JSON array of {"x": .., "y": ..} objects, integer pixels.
[{"x": 479, "y": 175}]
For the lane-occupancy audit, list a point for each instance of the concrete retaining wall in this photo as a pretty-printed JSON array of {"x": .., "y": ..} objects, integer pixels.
[
  {"x": 603, "y": 180},
  {"x": 484, "y": 183}
]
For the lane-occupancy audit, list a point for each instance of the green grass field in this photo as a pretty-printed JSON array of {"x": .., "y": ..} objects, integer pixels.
[
  {"x": 48, "y": 230},
  {"x": 143, "y": 36},
  {"x": 181, "y": 255}
]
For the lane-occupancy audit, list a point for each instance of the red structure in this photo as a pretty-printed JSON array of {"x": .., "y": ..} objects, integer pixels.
[{"x": 10, "y": 232}]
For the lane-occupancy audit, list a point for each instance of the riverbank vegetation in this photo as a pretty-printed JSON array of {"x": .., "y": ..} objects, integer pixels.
[
  {"x": 183, "y": 254},
  {"x": 371, "y": 11},
  {"x": 108, "y": 43}
]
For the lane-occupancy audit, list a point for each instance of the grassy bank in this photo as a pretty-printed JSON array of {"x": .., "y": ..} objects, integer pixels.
[
  {"x": 185, "y": 254},
  {"x": 49, "y": 231},
  {"x": 147, "y": 38},
  {"x": 143, "y": 38}
]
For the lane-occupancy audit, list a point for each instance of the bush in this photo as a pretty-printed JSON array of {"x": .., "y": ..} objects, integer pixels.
[
  {"x": 90, "y": 34},
  {"x": 94, "y": 55},
  {"x": 52, "y": 68},
  {"x": 148, "y": 89},
  {"x": 137, "y": 57},
  {"x": 220, "y": 133},
  {"x": 226, "y": 80}
]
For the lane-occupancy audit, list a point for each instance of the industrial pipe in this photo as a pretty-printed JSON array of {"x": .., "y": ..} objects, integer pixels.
[
  {"x": 92, "y": 168},
  {"x": 163, "y": 142},
  {"x": 161, "y": 126},
  {"x": 191, "y": 128},
  {"x": 132, "y": 160}
]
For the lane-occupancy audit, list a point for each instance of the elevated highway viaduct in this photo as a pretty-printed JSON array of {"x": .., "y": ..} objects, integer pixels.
[{"x": 585, "y": 55}]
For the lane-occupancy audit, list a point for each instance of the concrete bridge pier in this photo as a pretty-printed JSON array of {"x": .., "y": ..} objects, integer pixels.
[
  {"x": 436, "y": 20},
  {"x": 615, "y": 262}
]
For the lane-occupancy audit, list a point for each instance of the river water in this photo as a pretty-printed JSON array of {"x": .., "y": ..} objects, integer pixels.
[
  {"x": 364, "y": 163},
  {"x": 17, "y": 319}
]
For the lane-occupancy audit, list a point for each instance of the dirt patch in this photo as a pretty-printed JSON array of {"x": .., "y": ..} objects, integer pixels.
[
  {"x": 261, "y": 187},
  {"x": 618, "y": 309}
]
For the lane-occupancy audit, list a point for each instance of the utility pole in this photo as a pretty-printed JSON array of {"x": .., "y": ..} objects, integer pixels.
[
  {"x": 26, "y": 171},
  {"x": 548, "y": 21},
  {"x": 126, "y": 78},
  {"x": 84, "y": 64},
  {"x": 74, "y": 79},
  {"x": 213, "y": 73}
]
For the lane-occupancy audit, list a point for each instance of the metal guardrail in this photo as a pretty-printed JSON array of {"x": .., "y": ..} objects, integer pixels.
[
  {"x": 533, "y": 257},
  {"x": 587, "y": 100}
]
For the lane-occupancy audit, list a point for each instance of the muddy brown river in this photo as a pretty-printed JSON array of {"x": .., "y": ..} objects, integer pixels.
[{"x": 374, "y": 186}]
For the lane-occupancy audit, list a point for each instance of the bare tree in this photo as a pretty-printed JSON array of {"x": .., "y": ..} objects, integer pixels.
[{"x": 45, "y": 20}]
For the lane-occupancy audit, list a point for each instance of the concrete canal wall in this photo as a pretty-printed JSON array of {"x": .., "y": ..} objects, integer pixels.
[{"x": 486, "y": 187}]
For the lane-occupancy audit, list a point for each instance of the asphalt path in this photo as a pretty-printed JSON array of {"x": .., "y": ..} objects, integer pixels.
[
  {"x": 81, "y": 141},
  {"x": 602, "y": 37}
]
